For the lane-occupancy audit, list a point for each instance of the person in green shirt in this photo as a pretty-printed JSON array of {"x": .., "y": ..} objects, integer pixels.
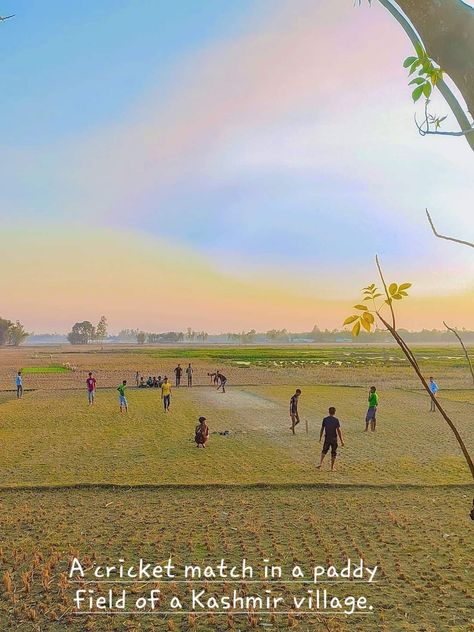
[
  {"x": 371, "y": 417},
  {"x": 122, "y": 399}
]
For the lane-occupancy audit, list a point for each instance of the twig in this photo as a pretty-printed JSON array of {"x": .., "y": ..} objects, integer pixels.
[
  {"x": 425, "y": 132},
  {"x": 458, "y": 241},
  {"x": 412, "y": 360},
  {"x": 454, "y": 331}
]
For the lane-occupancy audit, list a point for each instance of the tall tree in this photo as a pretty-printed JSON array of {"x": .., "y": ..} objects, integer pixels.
[
  {"x": 101, "y": 329},
  {"x": 17, "y": 334}
]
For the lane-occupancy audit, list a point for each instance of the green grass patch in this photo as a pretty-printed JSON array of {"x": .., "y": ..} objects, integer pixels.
[
  {"x": 52, "y": 368},
  {"x": 54, "y": 438},
  {"x": 293, "y": 356}
]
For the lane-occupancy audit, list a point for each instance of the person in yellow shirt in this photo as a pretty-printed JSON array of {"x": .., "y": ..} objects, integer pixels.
[{"x": 166, "y": 394}]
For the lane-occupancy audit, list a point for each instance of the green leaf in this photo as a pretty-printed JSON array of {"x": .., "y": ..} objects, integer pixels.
[
  {"x": 361, "y": 307},
  {"x": 392, "y": 289},
  {"x": 427, "y": 90},
  {"x": 368, "y": 317},
  {"x": 350, "y": 319},
  {"x": 404, "y": 286},
  {"x": 408, "y": 61},
  {"x": 356, "y": 329},
  {"x": 417, "y": 92},
  {"x": 414, "y": 67},
  {"x": 417, "y": 80}
]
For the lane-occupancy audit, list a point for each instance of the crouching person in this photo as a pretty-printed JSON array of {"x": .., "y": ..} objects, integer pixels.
[{"x": 201, "y": 434}]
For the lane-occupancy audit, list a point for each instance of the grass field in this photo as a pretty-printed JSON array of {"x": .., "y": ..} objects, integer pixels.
[
  {"x": 100, "y": 484},
  {"x": 32, "y": 370}
]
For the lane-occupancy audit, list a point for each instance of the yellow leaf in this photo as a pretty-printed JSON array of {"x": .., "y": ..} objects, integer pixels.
[
  {"x": 368, "y": 317},
  {"x": 404, "y": 286},
  {"x": 392, "y": 289},
  {"x": 350, "y": 319},
  {"x": 365, "y": 324},
  {"x": 356, "y": 329},
  {"x": 361, "y": 307}
]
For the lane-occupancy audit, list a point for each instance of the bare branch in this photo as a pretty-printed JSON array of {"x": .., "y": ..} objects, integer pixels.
[
  {"x": 412, "y": 360},
  {"x": 455, "y": 332},
  {"x": 427, "y": 131},
  {"x": 458, "y": 241},
  {"x": 389, "y": 299}
]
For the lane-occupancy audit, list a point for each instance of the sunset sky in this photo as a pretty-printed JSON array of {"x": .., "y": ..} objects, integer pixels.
[{"x": 220, "y": 165}]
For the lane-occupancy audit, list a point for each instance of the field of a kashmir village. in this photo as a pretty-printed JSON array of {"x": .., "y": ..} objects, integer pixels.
[{"x": 92, "y": 483}]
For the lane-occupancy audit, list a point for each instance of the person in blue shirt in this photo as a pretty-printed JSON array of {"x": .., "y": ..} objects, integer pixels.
[
  {"x": 434, "y": 388},
  {"x": 19, "y": 385}
]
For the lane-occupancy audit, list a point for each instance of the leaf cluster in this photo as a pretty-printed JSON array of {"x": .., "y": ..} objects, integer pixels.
[
  {"x": 428, "y": 74},
  {"x": 366, "y": 318}
]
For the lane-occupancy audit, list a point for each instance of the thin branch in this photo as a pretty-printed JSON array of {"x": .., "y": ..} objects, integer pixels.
[
  {"x": 389, "y": 300},
  {"x": 427, "y": 131},
  {"x": 402, "y": 344},
  {"x": 454, "y": 331},
  {"x": 458, "y": 241},
  {"x": 412, "y": 360}
]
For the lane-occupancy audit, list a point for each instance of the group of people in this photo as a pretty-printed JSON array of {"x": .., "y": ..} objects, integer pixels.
[{"x": 330, "y": 428}]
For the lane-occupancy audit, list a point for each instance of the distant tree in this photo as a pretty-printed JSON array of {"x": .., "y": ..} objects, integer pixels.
[
  {"x": 4, "y": 328},
  {"x": 101, "y": 329},
  {"x": 141, "y": 337},
  {"x": 17, "y": 334},
  {"x": 81, "y": 333},
  {"x": 128, "y": 334}
]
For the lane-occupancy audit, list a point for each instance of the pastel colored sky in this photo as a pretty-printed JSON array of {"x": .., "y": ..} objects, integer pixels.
[{"x": 220, "y": 165}]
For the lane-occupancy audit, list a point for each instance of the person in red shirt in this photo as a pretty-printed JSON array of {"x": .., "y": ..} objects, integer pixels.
[{"x": 91, "y": 382}]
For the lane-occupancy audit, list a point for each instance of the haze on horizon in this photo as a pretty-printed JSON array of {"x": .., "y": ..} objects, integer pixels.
[{"x": 225, "y": 166}]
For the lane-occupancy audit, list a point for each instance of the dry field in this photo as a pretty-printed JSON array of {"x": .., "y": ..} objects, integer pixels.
[{"x": 100, "y": 485}]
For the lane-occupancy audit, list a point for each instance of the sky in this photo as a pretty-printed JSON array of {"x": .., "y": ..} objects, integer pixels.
[{"x": 221, "y": 165}]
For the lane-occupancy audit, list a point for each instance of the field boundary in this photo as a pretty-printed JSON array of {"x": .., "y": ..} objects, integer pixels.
[{"x": 228, "y": 486}]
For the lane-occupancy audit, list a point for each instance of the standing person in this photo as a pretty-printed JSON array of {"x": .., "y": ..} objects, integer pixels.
[
  {"x": 137, "y": 378},
  {"x": 201, "y": 433},
  {"x": 222, "y": 381},
  {"x": 189, "y": 373},
  {"x": 332, "y": 430},
  {"x": 434, "y": 388},
  {"x": 122, "y": 398},
  {"x": 178, "y": 372},
  {"x": 91, "y": 385},
  {"x": 19, "y": 385},
  {"x": 294, "y": 416},
  {"x": 166, "y": 394},
  {"x": 371, "y": 416}
]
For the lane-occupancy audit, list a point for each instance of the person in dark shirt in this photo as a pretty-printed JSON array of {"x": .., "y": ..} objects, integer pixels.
[
  {"x": 332, "y": 430},
  {"x": 201, "y": 433},
  {"x": 178, "y": 372},
  {"x": 222, "y": 381},
  {"x": 295, "y": 418}
]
